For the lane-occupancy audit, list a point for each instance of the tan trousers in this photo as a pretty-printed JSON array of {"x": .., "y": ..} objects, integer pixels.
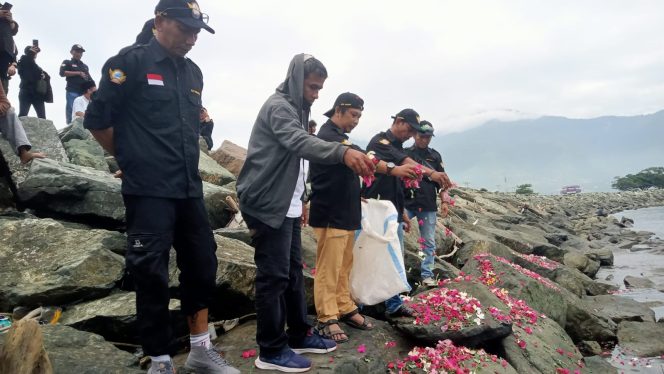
[{"x": 334, "y": 259}]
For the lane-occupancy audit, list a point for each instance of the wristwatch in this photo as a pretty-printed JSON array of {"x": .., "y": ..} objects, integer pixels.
[{"x": 390, "y": 167}]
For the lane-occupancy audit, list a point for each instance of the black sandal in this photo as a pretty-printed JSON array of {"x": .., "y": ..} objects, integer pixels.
[
  {"x": 323, "y": 329},
  {"x": 346, "y": 318}
]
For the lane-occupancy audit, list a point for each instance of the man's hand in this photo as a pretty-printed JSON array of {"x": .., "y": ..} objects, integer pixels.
[
  {"x": 444, "y": 209},
  {"x": 406, "y": 222},
  {"x": 442, "y": 179},
  {"x": 405, "y": 171},
  {"x": 305, "y": 215},
  {"x": 360, "y": 163},
  {"x": 11, "y": 70},
  {"x": 82, "y": 74},
  {"x": 7, "y": 15},
  {"x": 118, "y": 174}
]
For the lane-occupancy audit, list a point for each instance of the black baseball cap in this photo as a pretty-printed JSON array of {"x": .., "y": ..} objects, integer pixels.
[
  {"x": 77, "y": 47},
  {"x": 186, "y": 12},
  {"x": 410, "y": 116},
  {"x": 346, "y": 100},
  {"x": 426, "y": 128}
]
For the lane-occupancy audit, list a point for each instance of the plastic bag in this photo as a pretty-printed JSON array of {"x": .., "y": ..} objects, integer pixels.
[{"x": 378, "y": 271}]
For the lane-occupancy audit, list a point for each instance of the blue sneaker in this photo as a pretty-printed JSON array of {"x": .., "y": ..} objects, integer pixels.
[
  {"x": 288, "y": 362},
  {"x": 313, "y": 343}
]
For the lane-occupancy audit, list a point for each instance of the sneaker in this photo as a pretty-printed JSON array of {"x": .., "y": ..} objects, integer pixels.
[
  {"x": 161, "y": 367},
  {"x": 429, "y": 282},
  {"x": 313, "y": 343},
  {"x": 403, "y": 311},
  {"x": 288, "y": 362},
  {"x": 208, "y": 361}
]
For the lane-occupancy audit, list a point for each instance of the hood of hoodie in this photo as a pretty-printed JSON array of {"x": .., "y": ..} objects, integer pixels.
[{"x": 292, "y": 88}]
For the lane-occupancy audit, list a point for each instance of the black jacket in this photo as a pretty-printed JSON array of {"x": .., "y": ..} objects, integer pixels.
[
  {"x": 7, "y": 38},
  {"x": 30, "y": 74}
]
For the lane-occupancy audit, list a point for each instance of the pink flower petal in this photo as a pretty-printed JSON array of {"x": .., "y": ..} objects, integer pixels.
[{"x": 361, "y": 348}]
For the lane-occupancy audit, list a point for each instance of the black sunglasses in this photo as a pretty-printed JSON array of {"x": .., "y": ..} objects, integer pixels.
[{"x": 185, "y": 12}]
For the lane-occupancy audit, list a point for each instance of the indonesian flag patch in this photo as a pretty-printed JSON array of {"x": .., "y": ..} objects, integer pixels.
[{"x": 155, "y": 80}]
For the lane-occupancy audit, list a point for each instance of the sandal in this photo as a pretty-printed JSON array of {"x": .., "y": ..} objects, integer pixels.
[
  {"x": 324, "y": 330},
  {"x": 346, "y": 318}
]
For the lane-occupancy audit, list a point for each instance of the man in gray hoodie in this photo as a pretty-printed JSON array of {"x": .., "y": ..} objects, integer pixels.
[{"x": 270, "y": 184}]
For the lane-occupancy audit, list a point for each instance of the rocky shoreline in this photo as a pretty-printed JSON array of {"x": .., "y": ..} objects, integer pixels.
[{"x": 517, "y": 275}]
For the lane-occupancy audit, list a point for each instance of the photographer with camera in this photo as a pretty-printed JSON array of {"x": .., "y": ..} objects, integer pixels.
[{"x": 35, "y": 88}]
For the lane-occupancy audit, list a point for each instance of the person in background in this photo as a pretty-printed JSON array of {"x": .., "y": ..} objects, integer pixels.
[
  {"x": 8, "y": 51},
  {"x": 81, "y": 102},
  {"x": 388, "y": 147},
  {"x": 76, "y": 73},
  {"x": 207, "y": 125},
  {"x": 312, "y": 127},
  {"x": 421, "y": 202},
  {"x": 32, "y": 92},
  {"x": 12, "y": 129}
]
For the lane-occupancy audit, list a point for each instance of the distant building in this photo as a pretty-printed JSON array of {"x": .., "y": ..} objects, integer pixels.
[{"x": 570, "y": 190}]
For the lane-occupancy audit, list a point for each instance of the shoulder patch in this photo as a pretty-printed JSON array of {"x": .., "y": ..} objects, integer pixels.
[
  {"x": 384, "y": 141},
  {"x": 117, "y": 76}
]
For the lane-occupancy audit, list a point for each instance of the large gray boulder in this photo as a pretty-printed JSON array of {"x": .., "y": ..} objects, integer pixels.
[
  {"x": 469, "y": 330},
  {"x": 73, "y": 191},
  {"x": 558, "y": 304},
  {"x": 231, "y": 156},
  {"x": 582, "y": 263},
  {"x": 86, "y": 153},
  {"x": 219, "y": 213},
  {"x": 44, "y": 138},
  {"x": 380, "y": 346},
  {"x": 643, "y": 339},
  {"x": 74, "y": 351},
  {"x": 74, "y": 130},
  {"x": 45, "y": 263},
  {"x": 620, "y": 308},
  {"x": 638, "y": 282},
  {"x": 212, "y": 172},
  {"x": 113, "y": 317}
]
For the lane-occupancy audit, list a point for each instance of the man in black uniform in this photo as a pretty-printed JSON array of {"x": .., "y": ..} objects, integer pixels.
[
  {"x": 76, "y": 73},
  {"x": 336, "y": 213},
  {"x": 388, "y": 146},
  {"x": 146, "y": 113},
  {"x": 421, "y": 203}
]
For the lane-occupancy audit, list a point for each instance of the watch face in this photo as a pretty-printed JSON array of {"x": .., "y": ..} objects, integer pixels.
[{"x": 391, "y": 165}]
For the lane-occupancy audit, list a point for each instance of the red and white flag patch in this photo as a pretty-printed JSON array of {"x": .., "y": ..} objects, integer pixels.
[{"x": 155, "y": 80}]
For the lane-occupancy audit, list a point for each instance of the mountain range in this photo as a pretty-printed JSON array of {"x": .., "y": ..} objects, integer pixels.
[{"x": 550, "y": 152}]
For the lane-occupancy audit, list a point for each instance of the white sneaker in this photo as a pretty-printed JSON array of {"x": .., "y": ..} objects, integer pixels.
[{"x": 429, "y": 282}]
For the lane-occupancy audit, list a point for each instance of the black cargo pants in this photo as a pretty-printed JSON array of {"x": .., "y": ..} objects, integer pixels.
[{"x": 153, "y": 226}]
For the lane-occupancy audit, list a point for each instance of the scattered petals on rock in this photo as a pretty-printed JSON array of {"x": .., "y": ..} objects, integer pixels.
[
  {"x": 361, "y": 348},
  {"x": 449, "y": 308},
  {"x": 444, "y": 358},
  {"x": 249, "y": 353}
]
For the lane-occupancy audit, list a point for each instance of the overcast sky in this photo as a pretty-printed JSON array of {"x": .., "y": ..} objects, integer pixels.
[{"x": 456, "y": 62}]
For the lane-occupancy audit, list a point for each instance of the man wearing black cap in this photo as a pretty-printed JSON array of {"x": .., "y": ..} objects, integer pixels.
[
  {"x": 421, "y": 202},
  {"x": 76, "y": 73},
  {"x": 335, "y": 214},
  {"x": 388, "y": 146},
  {"x": 146, "y": 113}
]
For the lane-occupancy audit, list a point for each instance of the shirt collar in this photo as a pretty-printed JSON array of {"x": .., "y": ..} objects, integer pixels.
[
  {"x": 392, "y": 138},
  {"x": 158, "y": 52},
  {"x": 336, "y": 128}
]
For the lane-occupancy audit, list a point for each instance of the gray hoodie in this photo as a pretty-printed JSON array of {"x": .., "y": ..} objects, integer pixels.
[{"x": 278, "y": 141}]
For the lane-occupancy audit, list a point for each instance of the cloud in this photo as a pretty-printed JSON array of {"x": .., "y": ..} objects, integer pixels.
[{"x": 449, "y": 60}]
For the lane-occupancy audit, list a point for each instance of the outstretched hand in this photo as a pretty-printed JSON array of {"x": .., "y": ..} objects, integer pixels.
[
  {"x": 442, "y": 179},
  {"x": 360, "y": 163},
  {"x": 405, "y": 171}
]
